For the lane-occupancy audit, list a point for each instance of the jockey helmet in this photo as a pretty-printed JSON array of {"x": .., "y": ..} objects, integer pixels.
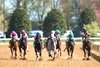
[
  {"x": 57, "y": 31},
  {"x": 23, "y": 31},
  {"x": 70, "y": 34},
  {"x": 13, "y": 33},
  {"x": 37, "y": 33}
]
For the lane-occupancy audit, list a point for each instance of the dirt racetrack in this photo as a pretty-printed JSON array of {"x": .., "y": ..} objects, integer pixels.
[{"x": 76, "y": 61}]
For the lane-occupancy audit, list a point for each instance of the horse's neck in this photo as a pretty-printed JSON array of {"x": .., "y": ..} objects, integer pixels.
[
  {"x": 37, "y": 39},
  {"x": 23, "y": 39}
]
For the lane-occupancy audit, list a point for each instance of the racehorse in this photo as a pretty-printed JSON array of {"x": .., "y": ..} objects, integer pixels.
[
  {"x": 38, "y": 47},
  {"x": 13, "y": 44},
  {"x": 86, "y": 47},
  {"x": 51, "y": 46},
  {"x": 70, "y": 47},
  {"x": 22, "y": 46}
]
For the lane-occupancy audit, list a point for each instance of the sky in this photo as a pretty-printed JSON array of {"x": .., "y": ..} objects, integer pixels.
[{"x": 9, "y": 5}]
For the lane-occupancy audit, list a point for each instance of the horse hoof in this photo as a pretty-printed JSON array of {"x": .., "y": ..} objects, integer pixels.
[
  {"x": 60, "y": 55},
  {"x": 11, "y": 57},
  {"x": 83, "y": 58},
  {"x": 40, "y": 59},
  {"x": 27, "y": 50},
  {"x": 20, "y": 58},
  {"x": 71, "y": 56},
  {"x": 15, "y": 58},
  {"x": 50, "y": 55},
  {"x": 24, "y": 58},
  {"x": 87, "y": 59},
  {"x": 54, "y": 58}
]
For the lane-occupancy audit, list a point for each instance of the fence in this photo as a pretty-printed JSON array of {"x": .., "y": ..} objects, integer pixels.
[{"x": 63, "y": 39}]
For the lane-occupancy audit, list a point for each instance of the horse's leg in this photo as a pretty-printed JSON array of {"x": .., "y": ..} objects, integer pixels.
[
  {"x": 11, "y": 49},
  {"x": 88, "y": 53},
  {"x": 72, "y": 50},
  {"x": 49, "y": 54},
  {"x": 60, "y": 48},
  {"x": 49, "y": 49},
  {"x": 68, "y": 51},
  {"x": 40, "y": 50},
  {"x": 15, "y": 49},
  {"x": 24, "y": 53},
  {"x": 40, "y": 54},
  {"x": 15, "y": 54},
  {"x": 60, "y": 51},
  {"x": 20, "y": 50},
  {"x": 84, "y": 53},
  {"x": 36, "y": 53},
  {"x": 54, "y": 50},
  {"x": 54, "y": 53}
]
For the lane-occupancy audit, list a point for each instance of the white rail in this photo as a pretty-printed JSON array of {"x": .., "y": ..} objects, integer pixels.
[{"x": 79, "y": 38}]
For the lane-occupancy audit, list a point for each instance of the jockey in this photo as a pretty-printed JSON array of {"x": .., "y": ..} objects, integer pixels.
[
  {"x": 86, "y": 44},
  {"x": 13, "y": 35},
  {"x": 71, "y": 37},
  {"x": 23, "y": 34},
  {"x": 38, "y": 36},
  {"x": 87, "y": 35},
  {"x": 38, "y": 39},
  {"x": 57, "y": 35}
]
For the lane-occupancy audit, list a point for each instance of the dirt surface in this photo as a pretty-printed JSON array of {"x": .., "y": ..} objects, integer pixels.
[{"x": 63, "y": 61}]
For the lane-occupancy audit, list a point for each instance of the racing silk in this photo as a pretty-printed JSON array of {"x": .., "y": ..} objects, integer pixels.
[
  {"x": 57, "y": 35},
  {"x": 38, "y": 38},
  {"x": 23, "y": 35},
  {"x": 54, "y": 38},
  {"x": 71, "y": 36}
]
